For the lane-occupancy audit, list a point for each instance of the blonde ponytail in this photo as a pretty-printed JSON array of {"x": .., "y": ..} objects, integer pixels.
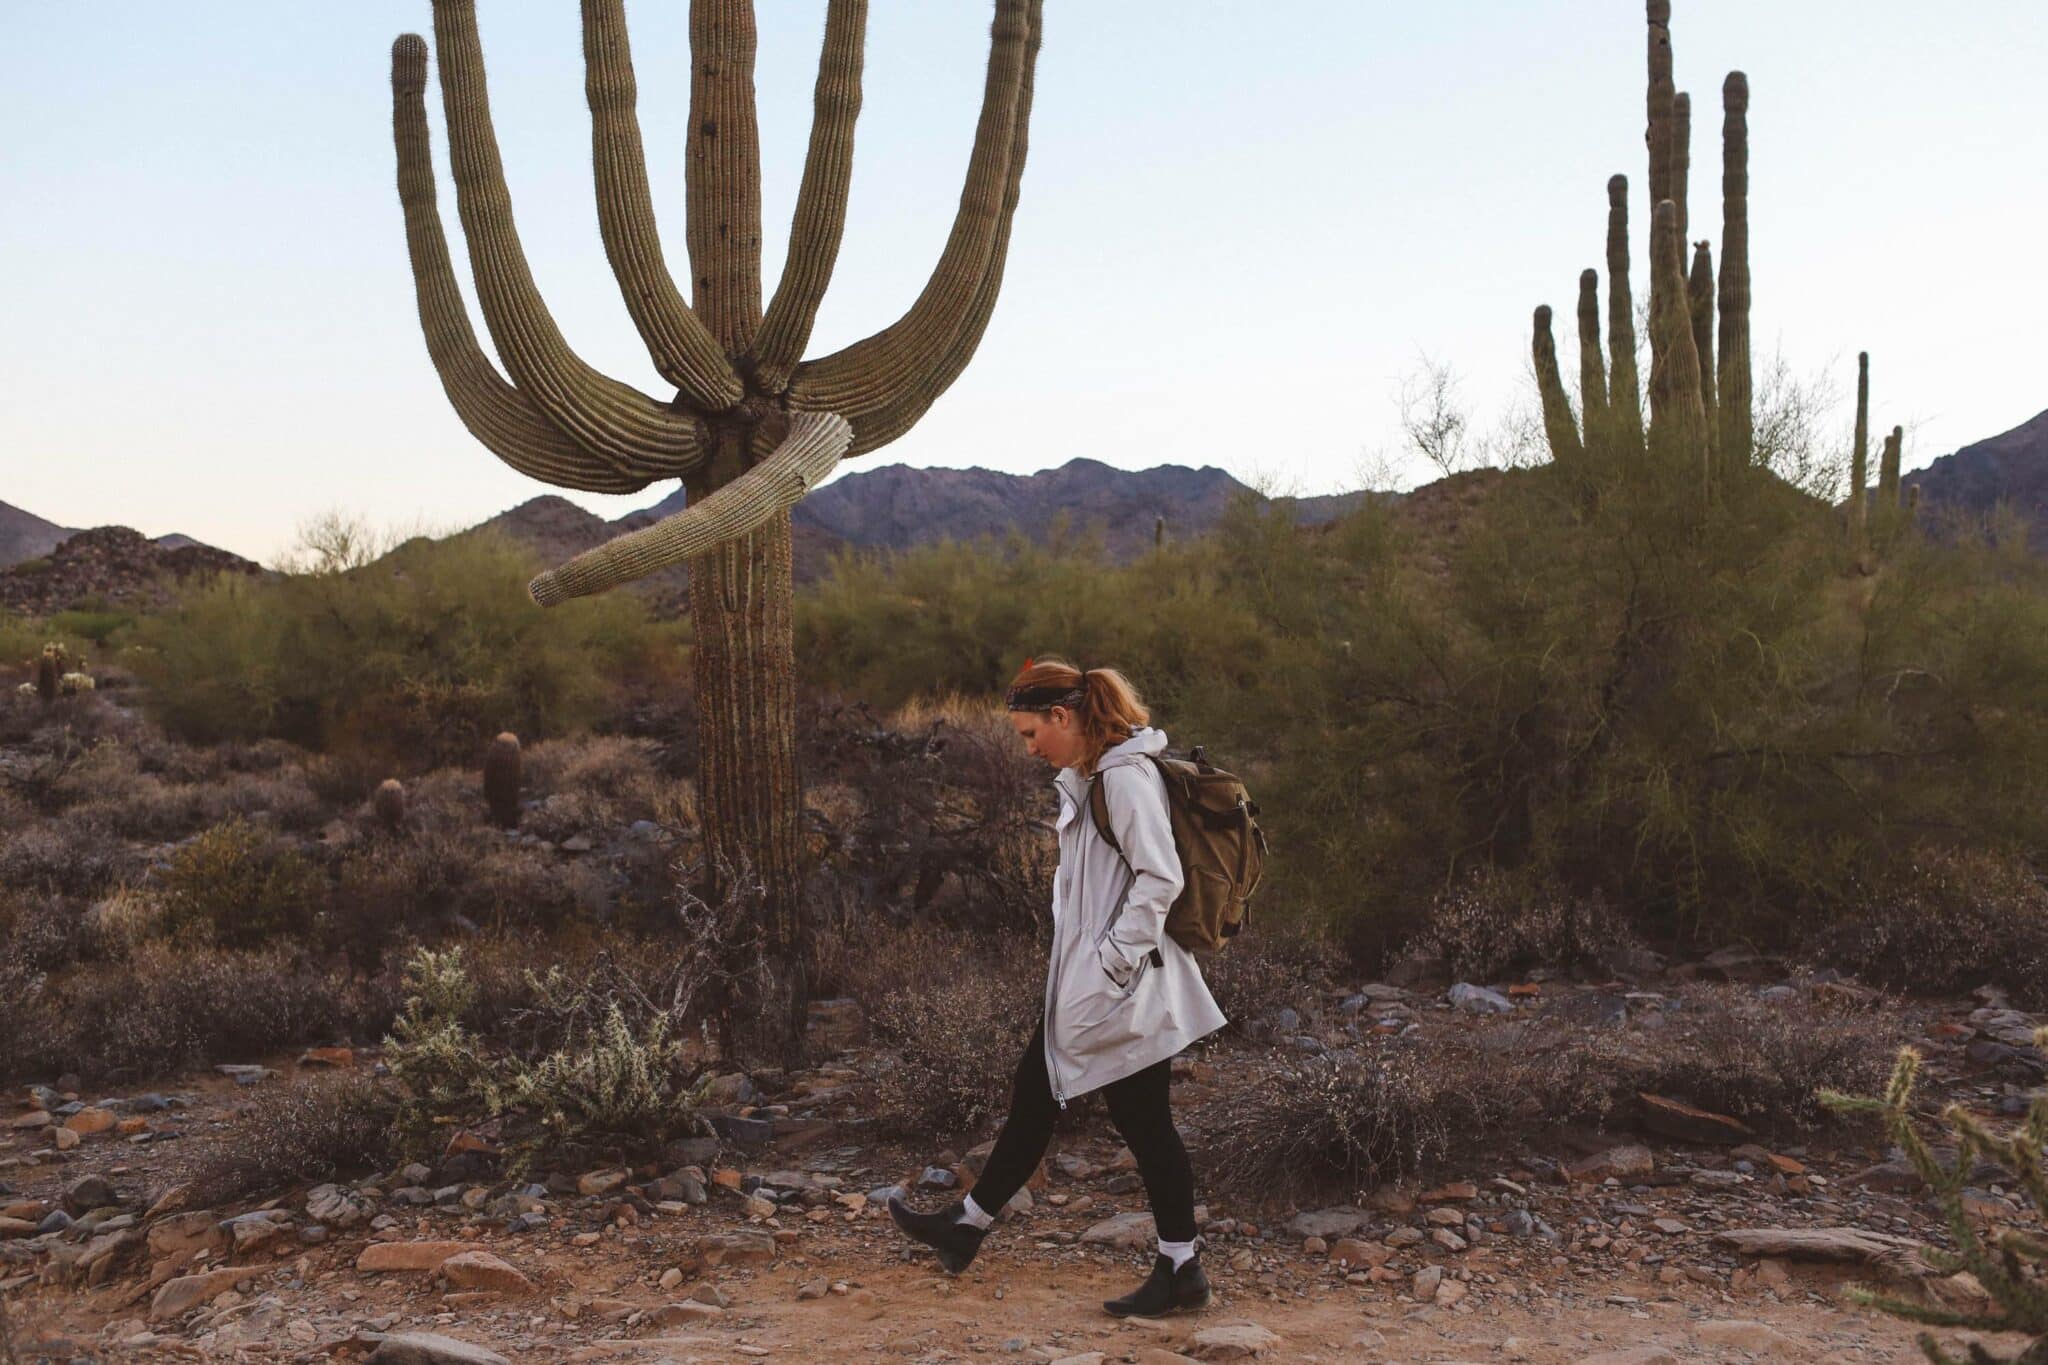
[{"x": 1103, "y": 700}]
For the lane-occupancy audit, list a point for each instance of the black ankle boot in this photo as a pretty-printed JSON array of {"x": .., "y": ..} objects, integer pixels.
[
  {"x": 955, "y": 1241},
  {"x": 1165, "y": 1290}
]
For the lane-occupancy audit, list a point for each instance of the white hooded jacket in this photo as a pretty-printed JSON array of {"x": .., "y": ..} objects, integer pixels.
[{"x": 1119, "y": 993}]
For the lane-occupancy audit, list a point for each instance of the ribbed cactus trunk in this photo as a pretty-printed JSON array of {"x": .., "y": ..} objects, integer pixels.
[
  {"x": 752, "y": 425},
  {"x": 1625, "y": 387},
  {"x": 1677, "y": 417},
  {"x": 1859, "y": 459},
  {"x": 1592, "y": 365},
  {"x": 1888, "y": 470},
  {"x": 1558, "y": 425},
  {"x": 1699, "y": 288},
  {"x": 1737, "y": 422}
]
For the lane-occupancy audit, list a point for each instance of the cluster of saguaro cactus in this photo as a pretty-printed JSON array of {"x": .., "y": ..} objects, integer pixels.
[
  {"x": 2012, "y": 1269},
  {"x": 1699, "y": 381},
  {"x": 752, "y": 425},
  {"x": 501, "y": 780},
  {"x": 1890, "y": 496}
]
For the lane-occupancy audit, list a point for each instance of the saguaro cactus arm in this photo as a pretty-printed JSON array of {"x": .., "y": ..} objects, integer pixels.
[
  {"x": 682, "y": 349},
  {"x": 1859, "y": 453},
  {"x": 814, "y": 444},
  {"x": 1677, "y": 420},
  {"x": 1660, "y": 97},
  {"x": 912, "y": 405},
  {"x": 1681, "y": 156},
  {"x": 1737, "y": 422},
  {"x": 1624, "y": 390},
  {"x": 871, "y": 375},
  {"x": 820, "y": 218},
  {"x": 613, "y": 421},
  {"x": 1592, "y": 368},
  {"x": 506, "y": 421},
  {"x": 1699, "y": 287},
  {"x": 723, "y": 173},
  {"x": 1888, "y": 468},
  {"x": 1558, "y": 427}
]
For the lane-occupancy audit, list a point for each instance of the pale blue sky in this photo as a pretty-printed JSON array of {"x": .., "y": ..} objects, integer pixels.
[{"x": 1241, "y": 225}]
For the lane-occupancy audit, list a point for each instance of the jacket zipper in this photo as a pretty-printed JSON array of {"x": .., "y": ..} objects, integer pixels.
[{"x": 1052, "y": 996}]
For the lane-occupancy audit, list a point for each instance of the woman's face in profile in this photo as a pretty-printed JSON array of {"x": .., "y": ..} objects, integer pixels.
[{"x": 1054, "y": 735}]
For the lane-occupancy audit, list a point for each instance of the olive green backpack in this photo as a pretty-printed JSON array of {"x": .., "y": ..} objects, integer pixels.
[{"x": 1222, "y": 849}]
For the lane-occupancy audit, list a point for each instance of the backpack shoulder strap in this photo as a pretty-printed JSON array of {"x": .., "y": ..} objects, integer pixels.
[{"x": 1098, "y": 806}]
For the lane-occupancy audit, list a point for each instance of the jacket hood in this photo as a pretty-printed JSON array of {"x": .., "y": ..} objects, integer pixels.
[{"x": 1146, "y": 739}]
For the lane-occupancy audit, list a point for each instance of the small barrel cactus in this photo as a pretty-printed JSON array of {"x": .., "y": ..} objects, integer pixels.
[
  {"x": 389, "y": 802},
  {"x": 501, "y": 780},
  {"x": 49, "y": 672}
]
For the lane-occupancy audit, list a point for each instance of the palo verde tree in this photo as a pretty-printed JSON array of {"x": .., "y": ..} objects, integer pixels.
[{"x": 752, "y": 425}]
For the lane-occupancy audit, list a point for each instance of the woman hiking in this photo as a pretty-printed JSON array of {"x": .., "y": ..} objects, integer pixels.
[{"x": 1121, "y": 996}]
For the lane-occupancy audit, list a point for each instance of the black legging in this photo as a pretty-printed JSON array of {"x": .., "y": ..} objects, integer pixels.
[{"x": 1138, "y": 1104}]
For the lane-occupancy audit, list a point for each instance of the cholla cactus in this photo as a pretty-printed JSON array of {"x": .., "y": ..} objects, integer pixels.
[
  {"x": 2013, "y": 1269},
  {"x": 501, "y": 780}
]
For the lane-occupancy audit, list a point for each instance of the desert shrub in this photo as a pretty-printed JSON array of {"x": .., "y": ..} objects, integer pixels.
[
  {"x": 238, "y": 886},
  {"x": 99, "y": 624},
  {"x": 166, "y": 1007},
  {"x": 312, "y": 1128},
  {"x": 1494, "y": 922},
  {"x": 953, "y": 1035},
  {"x": 40, "y": 931},
  {"x": 621, "y": 1080},
  {"x": 71, "y": 855},
  {"x": 1385, "y": 1108},
  {"x": 419, "y": 657},
  {"x": 1943, "y": 920},
  {"x": 1273, "y": 965}
]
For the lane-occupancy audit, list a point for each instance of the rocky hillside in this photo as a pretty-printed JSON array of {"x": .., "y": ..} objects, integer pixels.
[
  {"x": 2009, "y": 468},
  {"x": 114, "y": 564}
]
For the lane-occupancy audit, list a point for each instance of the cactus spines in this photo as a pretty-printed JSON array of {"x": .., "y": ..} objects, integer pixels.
[
  {"x": 388, "y": 801},
  {"x": 1859, "y": 453},
  {"x": 1736, "y": 421},
  {"x": 1624, "y": 387},
  {"x": 1592, "y": 365},
  {"x": 1699, "y": 288},
  {"x": 1888, "y": 469},
  {"x": 501, "y": 780},
  {"x": 1558, "y": 425},
  {"x": 1677, "y": 419}
]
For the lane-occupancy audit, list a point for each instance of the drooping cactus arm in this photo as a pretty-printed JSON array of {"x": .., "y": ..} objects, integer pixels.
[
  {"x": 1624, "y": 390},
  {"x": 1592, "y": 369},
  {"x": 820, "y": 218},
  {"x": 871, "y": 375},
  {"x": 1558, "y": 425},
  {"x": 1737, "y": 421},
  {"x": 813, "y": 445},
  {"x": 619, "y": 425},
  {"x": 504, "y": 419},
  {"x": 908, "y": 409},
  {"x": 682, "y": 350},
  {"x": 723, "y": 173}
]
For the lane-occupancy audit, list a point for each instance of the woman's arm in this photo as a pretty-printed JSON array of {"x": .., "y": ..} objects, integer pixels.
[{"x": 1135, "y": 798}]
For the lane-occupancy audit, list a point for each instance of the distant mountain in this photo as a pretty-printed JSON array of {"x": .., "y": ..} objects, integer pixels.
[
  {"x": 111, "y": 564},
  {"x": 24, "y": 535},
  {"x": 2011, "y": 468},
  {"x": 897, "y": 506}
]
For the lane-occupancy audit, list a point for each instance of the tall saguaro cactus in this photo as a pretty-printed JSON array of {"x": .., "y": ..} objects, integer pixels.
[
  {"x": 752, "y": 425},
  {"x": 1699, "y": 385}
]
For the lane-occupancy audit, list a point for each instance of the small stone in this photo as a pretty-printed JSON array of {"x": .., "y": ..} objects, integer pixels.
[
  {"x": 415, "y": 1256},
  {"x": 482, "y": 1270},
  {"x": 87, "y": 1122},
  {"x": 1124, "y": 1231},
  {"x": 1448, "y": 1240},
  {"x": 1353, "y": 1251},
  {"x": 688, "y": 1311},
  {"x": 180, "y": 1296},
  {"x": 428, "y": 1348},
  {"x": 1233, "y": 1341},
  {"x": 89, "y": 1193},
  {"x": 812, "y": 1289},
  {"x": 65, "y": 1138},
  {"x": 600, "y": 1183},
  {"x": 1470, "y": 999}
]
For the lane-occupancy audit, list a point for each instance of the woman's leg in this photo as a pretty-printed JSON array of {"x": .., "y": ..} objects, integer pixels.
[
  {"x": 1027, "y": 1131},
  {"x": 1139, "y": 1104}
]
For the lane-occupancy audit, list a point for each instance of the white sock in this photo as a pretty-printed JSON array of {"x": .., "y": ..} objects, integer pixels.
[
  {"x": 1180, "y": 1252},
  {"x": 971, "y": 1212}
]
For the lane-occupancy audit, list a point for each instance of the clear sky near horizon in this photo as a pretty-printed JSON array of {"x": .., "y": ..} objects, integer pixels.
[{"x": 1242, "y": 226}]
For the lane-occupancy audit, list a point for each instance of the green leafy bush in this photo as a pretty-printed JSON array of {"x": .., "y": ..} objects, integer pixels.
[
  {"x": 237, "y": 886},
  {"x": 420, "y": 656}
]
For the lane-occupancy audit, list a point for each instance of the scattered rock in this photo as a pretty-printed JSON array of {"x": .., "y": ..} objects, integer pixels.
[
  {"x": 87, "y": 1122},
  {"x": 417, "y": 1256},
  {"x": 428, "y": 1348},
  {"x": 1232, "y": 1341},
  {"x": 1125, "y": 1232},
  {"x": 1328, "y": 1224},
  {"x": 1819, "y": 1244},
  {"x": 182, "y": 1295},
  {"x": 1673, "y": 1119},
  {"x": 337, "y": 1207},
  {"x": 89, "y": 1193},
  {"x": 1471, "y": 999},
  {"x": 1622, "y": 1163},
  {"x": 482, "y": 1270}
]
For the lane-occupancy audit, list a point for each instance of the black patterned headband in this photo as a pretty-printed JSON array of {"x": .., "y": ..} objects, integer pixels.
[{"x": 1043, "y": 697}]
